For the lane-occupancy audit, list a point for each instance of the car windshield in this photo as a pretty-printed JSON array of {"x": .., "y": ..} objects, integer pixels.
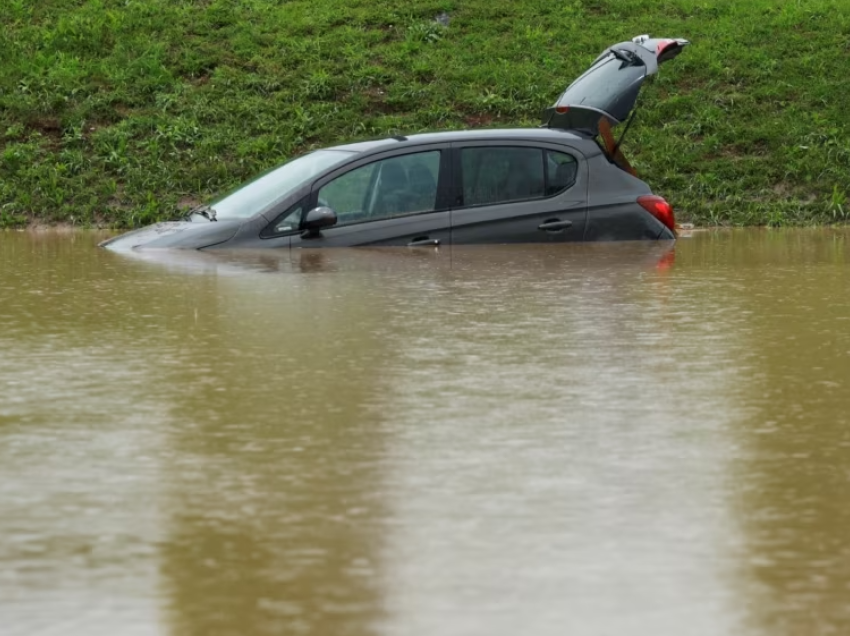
[{"x": 266, "y": 189}]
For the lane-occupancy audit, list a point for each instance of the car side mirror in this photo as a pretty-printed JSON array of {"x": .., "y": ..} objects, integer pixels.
[{"x": 316, "y": 220}]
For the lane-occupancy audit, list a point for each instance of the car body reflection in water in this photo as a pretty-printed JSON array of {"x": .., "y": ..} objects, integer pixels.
[{"x": 660, "y": 256}]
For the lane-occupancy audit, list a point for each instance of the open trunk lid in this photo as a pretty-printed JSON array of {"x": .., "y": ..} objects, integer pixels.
[{"x": 609, "y": 89}]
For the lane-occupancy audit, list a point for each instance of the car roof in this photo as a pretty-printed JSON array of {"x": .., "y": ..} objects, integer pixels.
[{"x": 516, "y": 134}]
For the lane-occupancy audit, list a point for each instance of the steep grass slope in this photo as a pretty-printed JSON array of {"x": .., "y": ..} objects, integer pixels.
[{"x": 117, "y": 111}]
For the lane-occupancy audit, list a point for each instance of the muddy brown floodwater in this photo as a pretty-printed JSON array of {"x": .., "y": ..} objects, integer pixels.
[{"x": 602, "y": 439}]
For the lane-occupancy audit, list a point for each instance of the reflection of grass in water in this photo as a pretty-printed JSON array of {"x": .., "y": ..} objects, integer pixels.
[{"x": 117, "y": 111}]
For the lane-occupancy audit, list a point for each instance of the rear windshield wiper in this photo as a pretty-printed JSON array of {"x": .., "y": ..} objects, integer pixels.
[
  {"x": 626, "y": 56},
  {"x": 202, "y": 210}
]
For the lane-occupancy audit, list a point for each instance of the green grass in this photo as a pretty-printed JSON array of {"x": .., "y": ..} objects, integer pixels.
[{"x": 117, "y": 112}]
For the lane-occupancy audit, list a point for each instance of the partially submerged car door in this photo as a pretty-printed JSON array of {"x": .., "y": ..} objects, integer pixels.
[
  {"x": 396, "y": 198},
  {"x": 509, "y": 191}
]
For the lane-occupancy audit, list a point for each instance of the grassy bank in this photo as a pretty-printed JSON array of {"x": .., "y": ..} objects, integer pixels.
[{"x": 118, "y": 111}]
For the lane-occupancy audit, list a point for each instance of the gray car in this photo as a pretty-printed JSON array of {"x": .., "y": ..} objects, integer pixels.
[{"x": 565, "y": 181}]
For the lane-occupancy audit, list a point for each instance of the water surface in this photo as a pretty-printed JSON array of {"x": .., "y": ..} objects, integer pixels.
[{"x": 599, "y": 439}]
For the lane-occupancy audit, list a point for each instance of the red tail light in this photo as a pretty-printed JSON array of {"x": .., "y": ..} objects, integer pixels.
[
  {"x": 663, "y": 45},
  {"x": 660, "y": 209}
]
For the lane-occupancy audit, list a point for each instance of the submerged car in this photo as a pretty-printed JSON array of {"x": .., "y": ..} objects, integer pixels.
[{"x": 565, "y": 181}]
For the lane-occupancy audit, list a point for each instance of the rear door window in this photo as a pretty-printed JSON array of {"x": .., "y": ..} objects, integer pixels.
[{"x": 501, "y": 174}]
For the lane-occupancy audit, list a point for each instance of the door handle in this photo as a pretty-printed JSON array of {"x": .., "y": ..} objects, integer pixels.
[
  {"x": 554, "y": 225},
  {"x": 423, "y": 241}
]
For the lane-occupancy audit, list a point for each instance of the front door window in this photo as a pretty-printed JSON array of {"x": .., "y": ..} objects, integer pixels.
[{"x": 393, "y": 187}]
